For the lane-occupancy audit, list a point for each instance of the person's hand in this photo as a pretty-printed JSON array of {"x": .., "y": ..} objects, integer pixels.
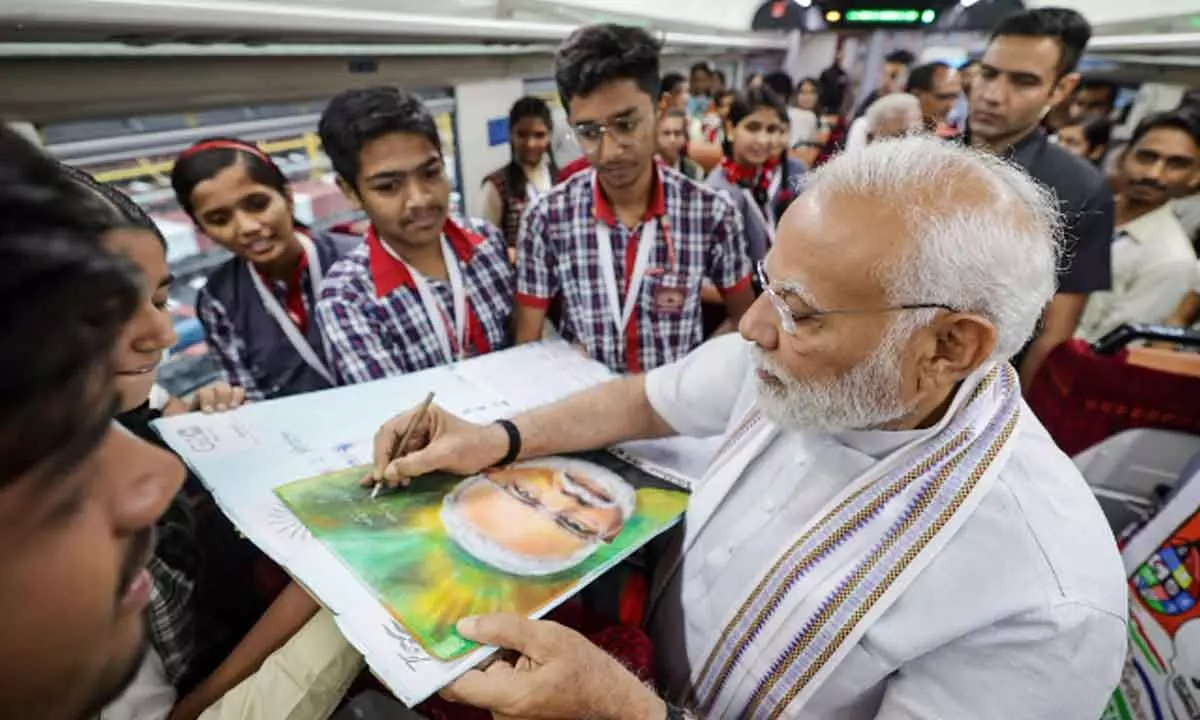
[
  {"x": 217, "y": 397},
  {"x": 442, "y": 441},
  {"x": 559, "y": 674}
]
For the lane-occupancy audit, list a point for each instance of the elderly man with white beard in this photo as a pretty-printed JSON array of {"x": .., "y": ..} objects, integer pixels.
[{"x": 887, "y": 531}]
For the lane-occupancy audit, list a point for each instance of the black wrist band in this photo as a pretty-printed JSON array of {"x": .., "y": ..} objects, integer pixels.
[{"x": 514, "y": 442}]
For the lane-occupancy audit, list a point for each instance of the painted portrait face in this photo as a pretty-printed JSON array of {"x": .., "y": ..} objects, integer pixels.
[{"x": 540, "y": 517}]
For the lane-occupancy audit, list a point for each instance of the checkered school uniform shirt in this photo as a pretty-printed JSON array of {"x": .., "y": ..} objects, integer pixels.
[
  {"x": 229, "y": 347},
  {"x": 556, "y": 256},
  {"x": 375, "y": 325}
]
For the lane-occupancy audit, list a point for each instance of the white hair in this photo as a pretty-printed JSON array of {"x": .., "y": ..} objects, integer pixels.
[
  {"x": 484, "y": 548},
  {"x": 986, "y": 237},
  {"x": 893, "y": 108}
]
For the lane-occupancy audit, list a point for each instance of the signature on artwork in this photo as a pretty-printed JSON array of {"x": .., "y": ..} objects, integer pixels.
[
  {"x": 410, "y": 651},
  {"x": 285, "y": 523}
]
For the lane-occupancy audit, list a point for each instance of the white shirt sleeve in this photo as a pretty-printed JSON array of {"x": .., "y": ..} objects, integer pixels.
[
  {"x": 696, "y": 395},
  {"x": 1060, "y": 663}
]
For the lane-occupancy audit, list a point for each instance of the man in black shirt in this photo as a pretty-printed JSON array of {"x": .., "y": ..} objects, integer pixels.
[
  {"x": 1028, "y": 68},
  {"x": 834, "y": 81}
]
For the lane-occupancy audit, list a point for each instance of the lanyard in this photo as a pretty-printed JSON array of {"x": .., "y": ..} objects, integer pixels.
[
  {"x": 453, "y": 348},
  {"x": 285, "y": 322},
  {"x": 621, "y": 313},
  {"x": 767, "y": 217}
]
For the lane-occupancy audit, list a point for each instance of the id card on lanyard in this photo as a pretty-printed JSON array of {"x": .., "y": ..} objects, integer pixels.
[
  {"x": 453, "y": 347},
  {"x": 285, "y": 321}
]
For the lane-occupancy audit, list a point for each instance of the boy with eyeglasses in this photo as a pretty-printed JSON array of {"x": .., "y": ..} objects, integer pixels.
[{"x": 626, "y": 244}]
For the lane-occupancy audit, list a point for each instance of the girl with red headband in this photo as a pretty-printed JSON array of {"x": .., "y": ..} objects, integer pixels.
[{"x": 258, "y": 308}]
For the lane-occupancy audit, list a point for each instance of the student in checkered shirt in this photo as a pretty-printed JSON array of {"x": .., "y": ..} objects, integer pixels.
[
  {"x": 627, "y": 244},
  {"x": 424, "y": 289}
]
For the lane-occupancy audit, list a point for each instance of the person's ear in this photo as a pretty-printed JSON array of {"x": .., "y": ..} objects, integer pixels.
[
  {"x": 1063, "y": 89},
  {"x": 964, "y": 341},
  {"x": 350, "y": 193}
]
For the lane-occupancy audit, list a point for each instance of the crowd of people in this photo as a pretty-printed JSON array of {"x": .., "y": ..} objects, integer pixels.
[{"x": 840, "y": 292}]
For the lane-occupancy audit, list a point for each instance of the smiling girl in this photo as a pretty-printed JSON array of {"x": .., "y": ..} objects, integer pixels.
[{"x": 257, "y": 309}]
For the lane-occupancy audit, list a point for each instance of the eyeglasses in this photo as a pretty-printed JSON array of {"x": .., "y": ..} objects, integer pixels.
[
  {"x": 789, "y": 318},
  {"x": 561, "y": 518},
  {"x": 622, "y": 130}
]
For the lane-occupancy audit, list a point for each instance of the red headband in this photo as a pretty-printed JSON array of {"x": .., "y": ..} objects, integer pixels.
[{"x": 226, "y": 145}]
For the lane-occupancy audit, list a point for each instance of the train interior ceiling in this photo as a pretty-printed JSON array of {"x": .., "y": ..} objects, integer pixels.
[{"x": 119, "y": 87}]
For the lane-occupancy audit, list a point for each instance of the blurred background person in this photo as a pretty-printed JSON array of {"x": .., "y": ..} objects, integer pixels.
[
  {"x": 672, "y": 144},
  {"x": 967, "y": 72},
  {"x": 1087, "y": 139},
  {"x": 701, "y": 89},
  {"x": 1153, "y": 261},
  {"x": 1094, "y": 98},
  {"x": 893, "y": 116},
  {"x": 892, "y": 78},
  {"x": 529, "y": 172},
  {"x": 937, "y": 87}
]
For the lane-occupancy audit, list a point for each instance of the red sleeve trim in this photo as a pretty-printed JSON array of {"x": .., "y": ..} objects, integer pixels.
[
  {"x": 737, "y": 286},
  {"x": 533, "y": 301}
]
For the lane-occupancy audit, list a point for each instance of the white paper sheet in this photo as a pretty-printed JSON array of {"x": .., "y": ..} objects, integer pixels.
[{"x": 242, "y": 456}]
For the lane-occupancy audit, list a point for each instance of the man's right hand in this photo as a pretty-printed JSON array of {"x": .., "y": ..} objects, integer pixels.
[{"x": 442, "y": 441}]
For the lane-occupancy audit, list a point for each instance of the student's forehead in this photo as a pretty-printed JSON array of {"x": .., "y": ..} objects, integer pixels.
[{"x": 396, "y": 152}]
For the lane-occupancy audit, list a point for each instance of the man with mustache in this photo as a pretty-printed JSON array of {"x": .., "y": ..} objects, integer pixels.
[
  {"x": 78, "y": 496},
  {"x": 886, "y": 530},
  {"x": 620, "y": 243},
  {"x": 424, "y": 289},
  {"x": 1153, "y": 262},
  {"x": 1027, "y": 69}
]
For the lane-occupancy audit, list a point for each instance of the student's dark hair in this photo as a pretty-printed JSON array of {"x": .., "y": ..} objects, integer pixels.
[
  {"x": 1097, "y": 132},
  {"x": 356, "y": 117},
  {"x": 901, "y": 57},
  {"x": 111, "y": 207},
  {"x": 720, "y": 75},
  {"x": 66, "y": 301},
  {"x": 1071, "y": 29},
  {"x": 1108, "y": 86},
  {"x": 1179, "y": 120},
  {"x": 670, "y": 83},
  {"x": 599, "y": 54},
  {"x": 701, "y": 67},
  {"x": 781, "y": 83},
  {"x": 527, "y": 107},
  {"x": 204, "y": 160},
  {"x": 922, "y": 76}
]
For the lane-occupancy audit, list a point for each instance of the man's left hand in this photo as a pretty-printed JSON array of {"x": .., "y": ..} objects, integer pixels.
[{"x": 558, "y": 674}]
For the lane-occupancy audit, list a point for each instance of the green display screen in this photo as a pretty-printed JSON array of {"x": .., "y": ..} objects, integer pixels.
[{"x": 897, "y": 16}]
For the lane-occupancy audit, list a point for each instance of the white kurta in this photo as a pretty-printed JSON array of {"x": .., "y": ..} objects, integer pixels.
[{"x": 1022, "y": 614}]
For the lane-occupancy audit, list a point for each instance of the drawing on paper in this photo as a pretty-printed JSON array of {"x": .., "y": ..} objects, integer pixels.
[
  {"x": 517, "y": 539},
  {"x": 1162, "y": 673}
]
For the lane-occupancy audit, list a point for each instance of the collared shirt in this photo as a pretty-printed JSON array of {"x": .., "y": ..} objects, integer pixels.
[
  {"x": 228, "y": 345},
  {"x": 1020, "y": 615},
  {"x": 699, "y": 236},
  {"x": 1086, "y": 204},
  {"x": 374, "y": 322},
  {"x": 1153, "y": 267}
]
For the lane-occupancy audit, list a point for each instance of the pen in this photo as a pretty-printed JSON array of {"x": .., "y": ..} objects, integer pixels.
[{"x": 408, "y": 432}]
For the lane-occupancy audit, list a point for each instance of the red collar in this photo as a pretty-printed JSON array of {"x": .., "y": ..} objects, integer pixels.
[
  {"x": 294, "y": 301},
  {"x": 388, "y": 273},
  {"x": 748, "y": 175},
  {"x": 657, "y": 207}
]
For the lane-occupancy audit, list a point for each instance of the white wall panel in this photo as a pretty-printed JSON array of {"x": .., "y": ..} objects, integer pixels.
[{"x": 476, "y": 103}]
